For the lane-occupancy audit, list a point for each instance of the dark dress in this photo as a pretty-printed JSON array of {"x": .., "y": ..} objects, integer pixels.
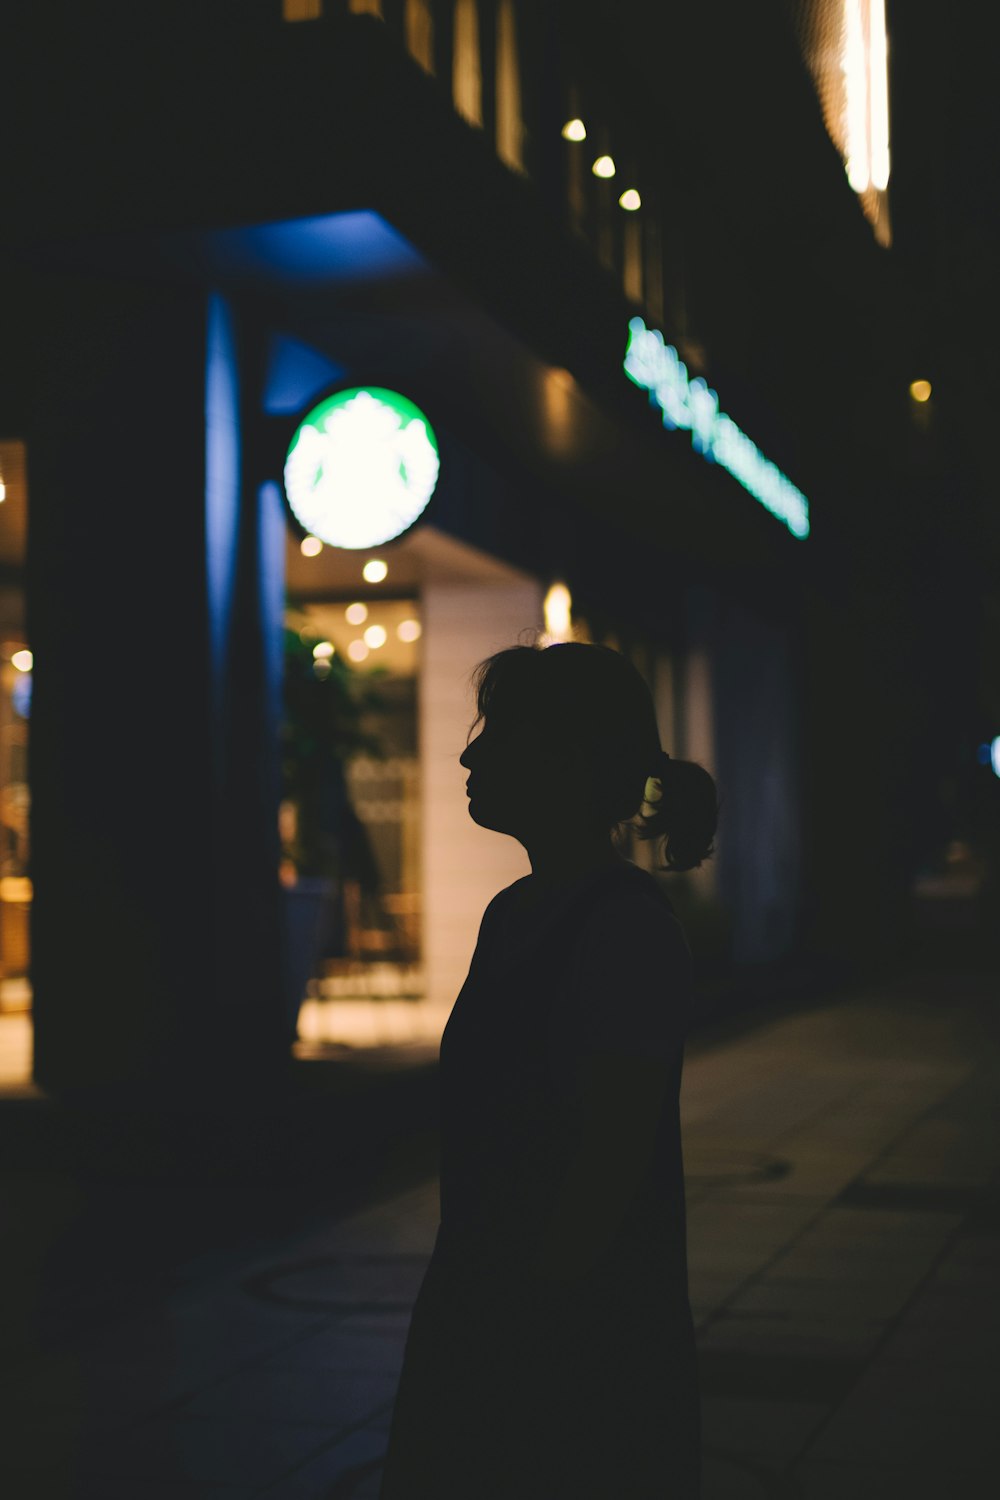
[{"x": 510, "y": 1389}]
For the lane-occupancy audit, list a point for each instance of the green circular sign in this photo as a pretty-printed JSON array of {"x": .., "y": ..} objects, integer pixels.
[{"x": 361, "y": 467}]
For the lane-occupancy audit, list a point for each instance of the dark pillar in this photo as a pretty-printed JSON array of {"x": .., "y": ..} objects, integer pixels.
[{"x": 155, "y": 922}]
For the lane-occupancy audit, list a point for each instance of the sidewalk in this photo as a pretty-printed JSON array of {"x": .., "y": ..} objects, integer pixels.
[{"x": 843, "y": 1167}]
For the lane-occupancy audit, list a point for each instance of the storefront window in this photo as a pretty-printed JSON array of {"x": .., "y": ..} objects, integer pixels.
[
  {"x": 349, "y": 819},
  {"x": 15, "y": 709}
]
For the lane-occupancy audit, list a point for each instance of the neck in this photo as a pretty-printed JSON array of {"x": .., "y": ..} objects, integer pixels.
[{"x": 557, "y": 861}]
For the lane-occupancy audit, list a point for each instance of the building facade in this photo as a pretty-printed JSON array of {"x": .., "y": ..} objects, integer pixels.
[{"x": 471, "y": 206}]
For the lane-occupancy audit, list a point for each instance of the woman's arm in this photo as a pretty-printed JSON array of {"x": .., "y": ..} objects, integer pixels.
[
  {"x": 621, "y": 1099},
  {"x": 630, "y": 1005}
]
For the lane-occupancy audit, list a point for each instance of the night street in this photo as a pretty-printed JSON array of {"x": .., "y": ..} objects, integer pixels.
[
  {"x": 499, "y": 750},
  {"x": 843, "y": 1169}
]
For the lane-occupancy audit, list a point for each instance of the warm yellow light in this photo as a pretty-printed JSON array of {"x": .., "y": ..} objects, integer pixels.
[
  {"x": 408, "y": 630},
  {"x": 323, "y": 650},
  {"x": 311, "y": 546},
  {"x": 603, "y": 167},
  {"x": 374, "y": 570},
  {"x": 574, "y": 130},
  {"x": 356, "y": 614},
  {"x": 357, "y": 651},
  {"x": 22, "y": 660},
  {"x": 375, "y": 636},
  {"x": 630, "y": 200},
  {"x": 558, "y": 612},
  {"x": 3, "y": 490},
  {"x": 920, "y": 390}
]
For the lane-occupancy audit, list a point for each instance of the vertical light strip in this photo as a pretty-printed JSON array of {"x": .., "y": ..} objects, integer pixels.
[
  {"x": 878, "y": 86},
  {"x": 466, "y": 78},
  {"x": 508, "y": 89},
  {"x": 855, "y": 70}
]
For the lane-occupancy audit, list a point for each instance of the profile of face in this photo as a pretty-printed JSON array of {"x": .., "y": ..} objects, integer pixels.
[{"x": 519, "y": 782}]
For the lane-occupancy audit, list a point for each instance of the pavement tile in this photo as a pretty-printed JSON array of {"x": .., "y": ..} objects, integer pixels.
[
  {"x": 348, "y": 1350},
  {"x": 48, "y": 1486},
  {"x": 709, "y": 1291},
  {"x": 891, "y": 1228},
  {"x": 732, "y": 1477},
  {"x": 777, "y": 1429},
  {"x": 270, "y": 1393},
  {"x": 953, "y": 1481},
  {"x": 218, "y": 1451},
  {"x": 359, "y": 1454},
  {"x": 857, "y": 1266},
  {"x": 798, "y": 1297},
  {"x": 801, "y": 1338},
  {"x": 198, "y": 1337},
  {"x": 902, "y": 1413}
]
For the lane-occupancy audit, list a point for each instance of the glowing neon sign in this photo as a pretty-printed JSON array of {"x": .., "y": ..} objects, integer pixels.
[
  {"x": 692, "y": 404},
  {"x": 361, "y": 467}
]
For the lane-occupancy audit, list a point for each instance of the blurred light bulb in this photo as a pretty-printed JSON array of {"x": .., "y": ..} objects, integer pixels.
[
  {"x": 357, "y": 651},
  {"x": 323, "y": 650},
  {"x": 356, "y": 614},
  {"x": 3, "y": 490},
  {"x": 311, "y": 546},
  {"x": 630, "y": 200},
  {"x": 558, "y": 612},
  {"x": 323, "y": 667},
  {"x": 603, "y": 167},
  {"x": 574, "y": 130},
  {"x": 374, "y": 570},
  {"x": 375, "y": 636},
  {"x": 920, "y": 390},
  {"x": 408, "y": 630},
  {"x": 23, "y": 661}
]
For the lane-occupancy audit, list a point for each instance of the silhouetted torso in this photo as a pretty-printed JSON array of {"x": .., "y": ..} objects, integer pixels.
[{"x": 510, "y": 1389}]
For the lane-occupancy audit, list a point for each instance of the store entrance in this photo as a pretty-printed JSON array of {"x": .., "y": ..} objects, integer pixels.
[
  {"x": 15, "y": 707},
  {"x": 350, "y": 809}
]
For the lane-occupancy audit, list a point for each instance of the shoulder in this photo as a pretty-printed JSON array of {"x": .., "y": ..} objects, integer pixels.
[
  {"x": 636, "y": 912},
  {"x": 634, "y": 969},
  {"x": 499, "y": 903}
]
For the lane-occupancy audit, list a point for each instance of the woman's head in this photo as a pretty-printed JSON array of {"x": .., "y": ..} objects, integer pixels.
[{"x": 569, "y": 738}]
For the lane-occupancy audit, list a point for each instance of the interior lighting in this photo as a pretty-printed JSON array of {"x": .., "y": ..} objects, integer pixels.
[
  {"x": 311, "y": 546},
  {"x": 574, "y": 130},
  {"x": 23, "y": 661},
  {"x": 323, "y": 650},
  {"x": 3, "y": 490},
  {"x": 375, "y": 636},
  {"x": 920, "y": 390},
  {"x": 630, "y": 200},
  {"x": 878, "y": 94},
  {"x": 603, "y": 167},
  {"x": 557, "y": 608},
  {"x": 864, "y": 66},
  {"x": 357, "y": 650},
  {"x": 656, "y": 367},
  {"x": 361, "y": 467},
  {"x": 374, "y": 570},
  {"x": 408, "y": 630},
  {"x": 356, "y": 614}
]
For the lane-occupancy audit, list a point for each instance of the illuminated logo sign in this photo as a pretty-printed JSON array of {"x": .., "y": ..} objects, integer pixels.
[
  {"x": 361, "y": 467},
  {"x": 692, "y": 404}
]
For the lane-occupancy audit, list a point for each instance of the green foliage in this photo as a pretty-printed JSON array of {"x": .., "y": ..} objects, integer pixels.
[{"x": 325, "y": 705}]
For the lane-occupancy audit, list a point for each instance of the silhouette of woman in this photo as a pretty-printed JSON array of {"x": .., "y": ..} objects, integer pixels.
[{"x": 551, "y": 1353}]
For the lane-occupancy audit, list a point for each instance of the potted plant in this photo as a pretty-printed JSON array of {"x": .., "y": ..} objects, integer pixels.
[{"x": 322, "y": 840}]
